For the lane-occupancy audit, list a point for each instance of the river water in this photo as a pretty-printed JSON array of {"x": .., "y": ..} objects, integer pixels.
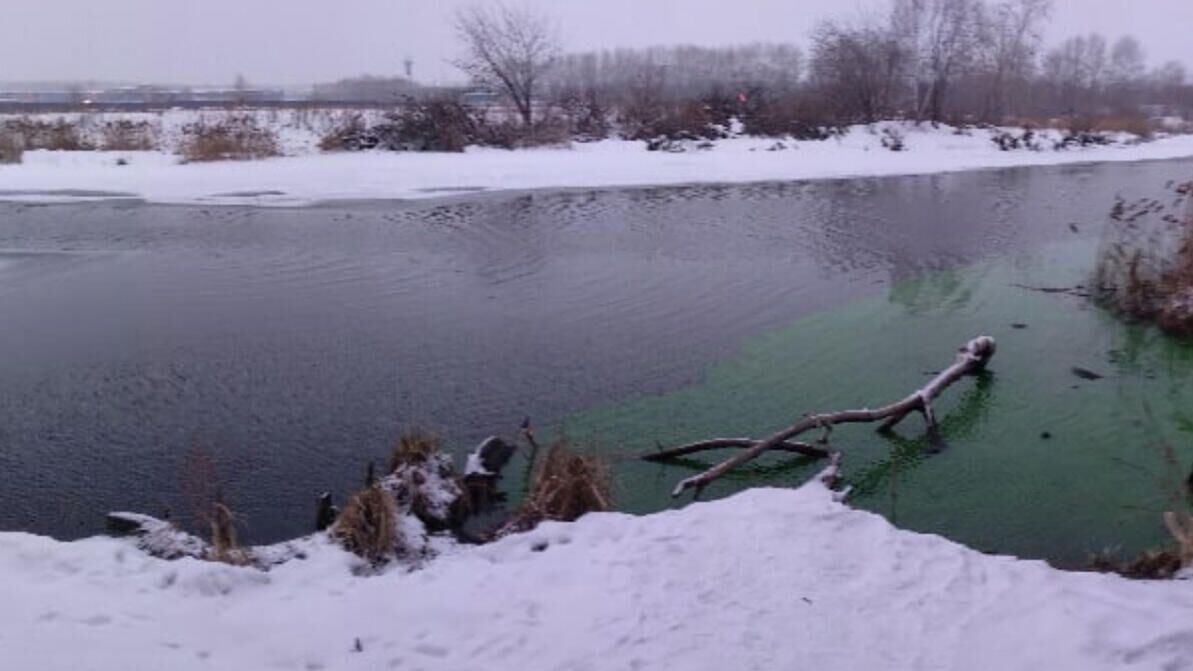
[{"x": 292, "y": 346}]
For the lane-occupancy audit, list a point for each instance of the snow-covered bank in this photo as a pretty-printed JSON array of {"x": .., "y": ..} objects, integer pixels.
[
  {"x": 766, "y": 579},
  {"x": 310, "y": 177}
]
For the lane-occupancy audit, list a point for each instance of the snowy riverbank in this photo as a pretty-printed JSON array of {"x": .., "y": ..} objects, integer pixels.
[
  {"x": 305, "y": 176},
  {"x": 766, "y": 579}
]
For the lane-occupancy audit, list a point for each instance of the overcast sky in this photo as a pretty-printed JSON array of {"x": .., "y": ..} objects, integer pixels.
[{"x": 294, "y": 42}]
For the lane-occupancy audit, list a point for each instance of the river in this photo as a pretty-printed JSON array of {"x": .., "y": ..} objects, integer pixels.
[{"x": 292, "y": 346}]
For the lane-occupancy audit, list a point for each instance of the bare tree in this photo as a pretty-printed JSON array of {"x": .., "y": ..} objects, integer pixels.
[
  {"x": 1125, "y": 74},
  {"x": 510, "y": 49},
  {"x": 1172, "y": 73},
  {"x": 1013, "y": 32},
  {"x": 1127, "y": 62},
  {"x": 940, "y": 38},
  {"x": 681, "y": 72},
  {"x": 1167, "y": 84},
  {"x": 857, "y": 67},
  {"x": 1076, "y": 70}
]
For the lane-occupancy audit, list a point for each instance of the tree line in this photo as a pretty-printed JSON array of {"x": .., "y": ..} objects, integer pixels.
[{"x": 961, "y": 61}]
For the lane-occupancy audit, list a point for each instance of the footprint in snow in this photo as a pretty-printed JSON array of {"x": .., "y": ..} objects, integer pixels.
[{"x": 431, "y": 650}]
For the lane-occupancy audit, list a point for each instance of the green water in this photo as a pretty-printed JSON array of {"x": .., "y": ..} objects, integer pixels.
[{"x": 1100, "y": 480}]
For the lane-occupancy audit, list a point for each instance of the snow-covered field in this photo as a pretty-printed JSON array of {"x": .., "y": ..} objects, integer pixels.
[
  {"x": 766, "y": 579},
  {"x": 304, "y": 175}
]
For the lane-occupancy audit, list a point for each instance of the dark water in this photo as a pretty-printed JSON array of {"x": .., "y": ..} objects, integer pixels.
[{"x": 294, "y": 345}]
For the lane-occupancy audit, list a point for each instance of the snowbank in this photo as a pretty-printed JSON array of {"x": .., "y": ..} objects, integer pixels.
[
  {"x": 766, "y": 579},
  {"x": 311, "y": 177}
]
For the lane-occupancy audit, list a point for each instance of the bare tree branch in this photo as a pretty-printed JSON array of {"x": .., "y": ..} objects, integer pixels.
[{"x": 972, "y": 358}]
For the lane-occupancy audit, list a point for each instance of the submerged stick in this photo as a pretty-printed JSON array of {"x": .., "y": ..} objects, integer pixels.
[
  {"x": 971, "y": 359},
  {"x": 1078, "y": 291},
  {"x": 741, "y": 443}
]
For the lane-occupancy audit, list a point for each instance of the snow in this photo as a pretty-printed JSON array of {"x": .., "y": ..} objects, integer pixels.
[
  {"x": 766, "y": 579},
  {"x": 428, "y": 488},
  {"x": 306, "y": 176},
  {"x": 159, "y": 538},
  {"x": 474, "y": 466}
]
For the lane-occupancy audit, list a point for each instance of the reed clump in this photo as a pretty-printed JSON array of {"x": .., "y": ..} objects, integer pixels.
[
  {"x": 236, "y": 138},
  {"x": 1145, "y": 267},
  {"x": 566, "y": 486},
  {"x": 367, "y": 526}
]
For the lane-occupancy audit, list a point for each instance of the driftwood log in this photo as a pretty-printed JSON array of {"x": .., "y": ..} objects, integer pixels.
[{"x": 972, "y": 358}]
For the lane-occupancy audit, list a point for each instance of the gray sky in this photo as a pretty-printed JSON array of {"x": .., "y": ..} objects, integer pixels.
[{"x": 300, "y": 41}]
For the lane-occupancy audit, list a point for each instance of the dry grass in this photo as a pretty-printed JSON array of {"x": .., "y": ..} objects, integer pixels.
[
  {"x": 1135, "y": 124},
  {"x": 236, "y": 138},
  {"x": 566, "y": 486},
  {"x": 225, "y": 545},
  {"x": 12, "y": 148},
  {"x": 200, "y": 486},
  {"x": 1177, "y": 490},
  {"x": 60, "y": 135},
  {"x": 1145, "y": 267},
  {"x": 1126, "y": 123},
  {"x": 366, "y": 527},
  {"x": 1150, "y": 565},
  {"x": 1180, "y": 524},
  {"x": 414, "y": 447}
]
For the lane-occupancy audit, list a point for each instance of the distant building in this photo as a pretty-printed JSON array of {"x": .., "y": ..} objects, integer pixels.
[
  {"x": 140, "y": 96},
  {"x": 385, "y": 90},
  {"x": 482, "y": 98}
]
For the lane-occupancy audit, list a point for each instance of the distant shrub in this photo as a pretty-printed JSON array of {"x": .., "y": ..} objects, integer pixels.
[
  {"x": 892, "y": 139},
  {"x": 441, "y": 125},
  {"x": 587, "y": 117},
  {"x": 12, "y": 148},
  {"x": 433, "y": 125},
  {"x": 1134, "y": 124},
  {"x": 234, "y": 138},
  {"x": 800, "y": 117},
  {"x": 1082, "y": 138},
  {"x": 502, "y": 134},
  {"x": 509, "y": 134},
  {"x": 127, "y": 135},
  {"x": 346, "y": 134},
  {"x": 1006, "y": 140},
  {"x": 690, "y": 119},
  {"x": 1095, "y": 126},
  {"x": 59, "y": 135}
]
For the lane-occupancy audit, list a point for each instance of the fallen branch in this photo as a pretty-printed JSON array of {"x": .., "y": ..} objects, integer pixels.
[
  {"x": 741, "y": 443},
  {"x": 972, "y": 358},
  {"x": 1078, "y": 291}
]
